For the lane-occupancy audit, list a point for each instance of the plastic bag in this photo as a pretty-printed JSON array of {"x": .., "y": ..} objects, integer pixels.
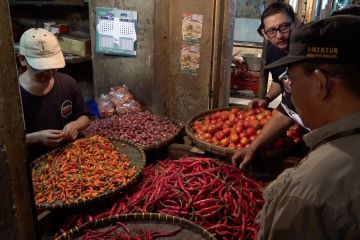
[
  {"x": 106, "y": 108},
  {"x": 120, "y": 95},
  {"x": 128, "y": 107}
]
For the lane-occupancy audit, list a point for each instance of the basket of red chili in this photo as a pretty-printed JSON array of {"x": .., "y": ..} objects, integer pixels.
[
  {"x": 85, "y": 171},
  {"x": 224, "y": 130},
  {"x": 138, "y": 226}
]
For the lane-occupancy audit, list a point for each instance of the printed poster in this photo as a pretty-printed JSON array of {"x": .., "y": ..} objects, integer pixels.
[
  {"x": 192, "y": 27},
  {"x": 190, "y": 59},
  {"x": 190, "y": 50}
]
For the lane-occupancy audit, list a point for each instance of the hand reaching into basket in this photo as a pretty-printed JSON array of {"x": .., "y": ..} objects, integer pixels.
[
  {"x": 258, "y": 102},
  {"x": 243, "y": 156}
]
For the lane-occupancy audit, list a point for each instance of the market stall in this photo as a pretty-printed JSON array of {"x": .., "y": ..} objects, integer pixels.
[{"x": 168, "y": 96}]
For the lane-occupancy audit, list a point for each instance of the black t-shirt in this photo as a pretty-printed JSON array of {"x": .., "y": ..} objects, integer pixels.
[
  {"x": 63, "y": 104},
  {"x": 286, "y": 106},
  {"x": 272, "y": 54}
]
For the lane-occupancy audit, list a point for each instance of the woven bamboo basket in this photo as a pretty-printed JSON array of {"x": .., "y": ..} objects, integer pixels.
[
  {"x": 135, "y": 155},
  {"x": 161, "y": 144},
  {"x": 227, "y": 152},
  {"x": 147, "y": 221}
]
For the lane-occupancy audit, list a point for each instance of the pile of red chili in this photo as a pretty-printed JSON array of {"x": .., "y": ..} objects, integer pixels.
[
  {"x": 83, "y": 169},
  {"x": 217, "y": 196}
]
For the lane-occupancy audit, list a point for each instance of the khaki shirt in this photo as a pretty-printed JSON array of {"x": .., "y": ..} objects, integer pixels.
[{"x": 320, "y": 198}]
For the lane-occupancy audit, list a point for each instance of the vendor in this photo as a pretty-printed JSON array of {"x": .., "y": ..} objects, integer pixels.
[{"x": 53, "y": 106}]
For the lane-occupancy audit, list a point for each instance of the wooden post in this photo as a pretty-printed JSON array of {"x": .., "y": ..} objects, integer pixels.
[{"x": 17, "y": 210}]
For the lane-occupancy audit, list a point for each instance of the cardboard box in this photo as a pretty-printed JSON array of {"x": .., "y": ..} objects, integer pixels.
[{"x": 78, "y": 45}]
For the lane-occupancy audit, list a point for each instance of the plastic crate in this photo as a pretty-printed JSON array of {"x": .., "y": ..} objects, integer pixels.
[{"x": 243, "y": 79}]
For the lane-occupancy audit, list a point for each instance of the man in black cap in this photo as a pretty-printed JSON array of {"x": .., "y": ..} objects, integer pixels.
[{"x": 319, "y": 199}]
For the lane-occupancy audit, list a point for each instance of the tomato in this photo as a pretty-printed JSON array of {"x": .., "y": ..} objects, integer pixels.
[
  {"x": 244, "y": 141},
  {"x": 212, "y": 129},
  {"x": 206, "y": 121},
  {"x": 255, "y": 124},
  {"x": 219, "y": 135},
  {"x": 250, "y": 131},
  {"x": 264, "y": 121},
  {"x": 232, "y": 145},
  {"x": 232, "y": 117},
  {"x": 215, "y": 141},
  {"x": 252, "y": 138},
  {"x": 234, "y": 110},
  {"x": 215, "y": 115},
  {"x": 238, "y": 129},
  {"x": 240, "y": 123},
  {"x": 250, "y": 113},
  {"x": 224, "y": 115},
  {"x": 267, "y": 112},
  {"x": 297, "y": 140},
  {"x": 246, "y": 123},
  {"x": 219, "y": 125},
  {"x": 241, "y": 115},
  {"x": 226, "y": 131},
  {"x": 260, "y": 116},
  {"x": 207, "y": 136},
  {"x": 224, "y": 142},
  {"x": 206, "y": 127},
  {"x": 243, "y": 134},
  {"x": 234, "y": 138},
  {"x": 239, "y": 146},
  {"x": 228, "y": 123}
]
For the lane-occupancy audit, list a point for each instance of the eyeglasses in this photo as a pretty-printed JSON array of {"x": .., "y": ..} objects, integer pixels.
[{"x": 283, "y": 28}]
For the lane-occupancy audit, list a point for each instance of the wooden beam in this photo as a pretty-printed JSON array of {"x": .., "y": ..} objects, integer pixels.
[{"x": 17, "y": 208}]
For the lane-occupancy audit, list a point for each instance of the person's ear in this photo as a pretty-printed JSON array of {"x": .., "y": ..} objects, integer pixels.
[
  {"x": 264, "y": 35},
  {"x": 322, "y": 84}
]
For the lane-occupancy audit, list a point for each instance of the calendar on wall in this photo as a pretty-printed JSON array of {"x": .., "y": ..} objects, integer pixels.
[{"x": 116, "y": 31}]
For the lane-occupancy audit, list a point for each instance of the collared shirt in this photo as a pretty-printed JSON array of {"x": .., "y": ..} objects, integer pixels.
[{"x": 320, "y": 198}]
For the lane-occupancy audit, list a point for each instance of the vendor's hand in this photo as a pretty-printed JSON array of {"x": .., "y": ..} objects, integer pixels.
[
  {"x": 243, "y": 157},
  {"x": 257, "y": 102},
  {"x": 51, "y": 138},
  {"x": 70, "y": 131}
]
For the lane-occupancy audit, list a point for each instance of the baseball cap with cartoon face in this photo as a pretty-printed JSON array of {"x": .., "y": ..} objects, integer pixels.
[{"x": 41, "y": 49}]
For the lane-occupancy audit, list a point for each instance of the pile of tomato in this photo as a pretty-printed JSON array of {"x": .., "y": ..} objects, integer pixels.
[{"x": 236, "y": 128}]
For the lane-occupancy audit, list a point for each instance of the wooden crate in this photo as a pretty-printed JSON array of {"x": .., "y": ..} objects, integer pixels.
[{"x": 76, "y": 45}]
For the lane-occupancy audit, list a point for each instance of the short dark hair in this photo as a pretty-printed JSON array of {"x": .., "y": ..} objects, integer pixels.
[
  {"x": 275, "y": 8},
  {"x": 348, "y": 74}
]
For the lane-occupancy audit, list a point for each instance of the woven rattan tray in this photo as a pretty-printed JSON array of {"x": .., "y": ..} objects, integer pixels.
[
  {"x": 227, "y": 152},
  {"x": 135, "y": 155},
  {"x": 148, "y": 221}
]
